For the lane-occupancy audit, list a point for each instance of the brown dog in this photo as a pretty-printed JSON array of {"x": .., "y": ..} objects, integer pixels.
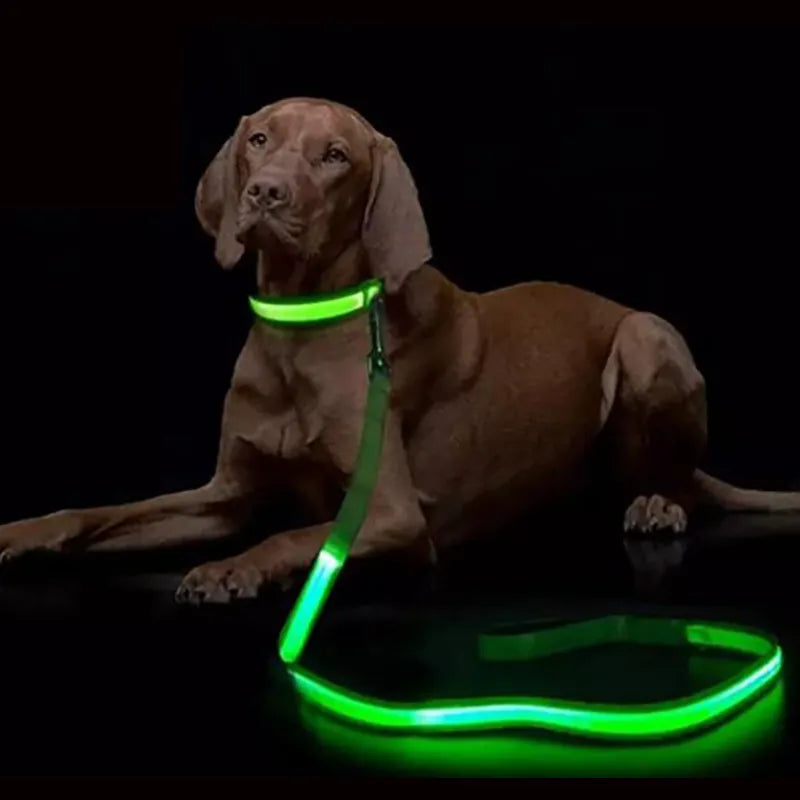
[{"x": 498, "y": 399}]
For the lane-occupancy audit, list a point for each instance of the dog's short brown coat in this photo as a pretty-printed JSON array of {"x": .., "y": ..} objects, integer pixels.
[{"x": 498, "y": 399}]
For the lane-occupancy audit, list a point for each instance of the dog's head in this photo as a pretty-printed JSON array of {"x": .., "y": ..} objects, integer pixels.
[{"x": 303, "y": 179}]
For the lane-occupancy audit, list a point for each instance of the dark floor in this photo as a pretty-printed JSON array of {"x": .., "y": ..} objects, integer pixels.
[{"x": 103, "y": 674}]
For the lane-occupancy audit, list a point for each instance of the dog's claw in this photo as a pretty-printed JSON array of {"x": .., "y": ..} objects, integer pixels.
[
  {"x": 655, "y": 513},
  {"x": 220, "y": 582}
]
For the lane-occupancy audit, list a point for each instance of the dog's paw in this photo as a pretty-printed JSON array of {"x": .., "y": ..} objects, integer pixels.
[
  {"x": 221, "y": 582},
  {"x": 44, "y": 533},
  {"x": 655, "y": 513}
]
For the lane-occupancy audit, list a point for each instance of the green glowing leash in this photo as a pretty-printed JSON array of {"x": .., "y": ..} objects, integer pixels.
[{"x": 642, "y": 721}]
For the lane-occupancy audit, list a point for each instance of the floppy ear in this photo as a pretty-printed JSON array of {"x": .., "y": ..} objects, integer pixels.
[
  {"x": 216, "y": 201},
  {"x": 394, "y": 233}
]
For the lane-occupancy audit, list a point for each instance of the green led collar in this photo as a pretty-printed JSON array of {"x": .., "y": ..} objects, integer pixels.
[
  {"x": 317, "y": 309},
  {"x": 651, "y": 721}
]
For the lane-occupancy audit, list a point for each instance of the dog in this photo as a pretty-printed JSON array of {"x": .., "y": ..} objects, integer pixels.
[{"x": 499, "y": 400}]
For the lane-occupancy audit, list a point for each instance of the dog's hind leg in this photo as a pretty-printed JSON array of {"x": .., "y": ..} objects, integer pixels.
[{"x": 657, "y": 422}]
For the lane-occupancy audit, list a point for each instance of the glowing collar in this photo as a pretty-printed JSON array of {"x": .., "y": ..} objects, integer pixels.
[{"x": 329, "y": 307}]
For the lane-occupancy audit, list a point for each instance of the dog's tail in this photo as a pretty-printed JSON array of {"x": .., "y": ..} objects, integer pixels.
[{"x": 718, "y": 494}]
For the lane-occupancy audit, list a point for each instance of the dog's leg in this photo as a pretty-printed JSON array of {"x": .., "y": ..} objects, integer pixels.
[
  {"x": 394, "y": 521},
  {"x": 242, "y": 576},
  {"x": 657, "y": 423},
  {"x": 211, "y": 511},
  {"x": 277, "y": 559},
  {"x": 250, "y": 471},
  {"x": 657, "y": 433}
]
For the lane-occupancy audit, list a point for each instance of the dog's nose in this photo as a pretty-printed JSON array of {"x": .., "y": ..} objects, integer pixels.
[{"x": 270, "y": 192}]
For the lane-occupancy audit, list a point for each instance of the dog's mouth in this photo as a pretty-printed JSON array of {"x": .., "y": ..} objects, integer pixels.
[{"x": 257, "y": 224}]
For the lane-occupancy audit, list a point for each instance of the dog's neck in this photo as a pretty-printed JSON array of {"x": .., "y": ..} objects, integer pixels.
[
  {"x": 282, "y": 276},
  {"x": 425, "y": 299}
]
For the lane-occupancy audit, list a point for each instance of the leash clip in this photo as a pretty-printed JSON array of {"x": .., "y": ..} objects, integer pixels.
[{"x": 377, "y": 358}]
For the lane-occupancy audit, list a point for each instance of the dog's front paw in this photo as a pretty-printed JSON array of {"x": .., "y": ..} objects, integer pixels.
[
  {"x": 43, "y": 533},
  {"x": 656, "y": 513},
  {"x": 221, "y": 582}
]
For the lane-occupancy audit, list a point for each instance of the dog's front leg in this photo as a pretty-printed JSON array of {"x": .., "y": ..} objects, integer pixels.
[
  {"x": 394, "y": 521},
  {"x": 250, "y": 472},
  {"x": 195, "y": 515}
]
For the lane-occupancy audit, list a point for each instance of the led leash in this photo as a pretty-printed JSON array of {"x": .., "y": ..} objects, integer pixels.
[{"x": 622, "y": 722}]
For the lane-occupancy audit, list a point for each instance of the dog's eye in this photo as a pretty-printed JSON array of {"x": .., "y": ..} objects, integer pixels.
[
  {"x": 258, "y": 140},
  {"x": 334, "y": 155}
]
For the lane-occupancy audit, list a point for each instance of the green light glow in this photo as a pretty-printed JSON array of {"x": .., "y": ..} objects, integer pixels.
[
  {"x": 308, "y": 606},
  {"x": 721, "y": 751},
  {"x": 646, "y": 721},
  {"x": 620, "y": 722},
  {"x": 304, "y": 310},
  {"x": 729, "y": 639},
  {"x": 348, "y": 522}
]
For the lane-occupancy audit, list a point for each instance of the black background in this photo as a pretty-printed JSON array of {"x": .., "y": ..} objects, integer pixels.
[{"x": 655, "y": 164}]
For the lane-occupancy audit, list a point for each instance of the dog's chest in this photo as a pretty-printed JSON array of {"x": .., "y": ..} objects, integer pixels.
[{"x": 324, "y": 372}]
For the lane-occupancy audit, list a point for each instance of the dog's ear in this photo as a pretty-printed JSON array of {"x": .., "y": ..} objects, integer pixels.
[
  {"x": 394, "y": 233},
  {"x": 216, "y": 201}
]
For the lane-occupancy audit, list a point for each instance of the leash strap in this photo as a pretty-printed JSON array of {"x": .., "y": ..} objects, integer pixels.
[
  {"x": 617, "y": 722},
  {"x": 334, "y": 552}
]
